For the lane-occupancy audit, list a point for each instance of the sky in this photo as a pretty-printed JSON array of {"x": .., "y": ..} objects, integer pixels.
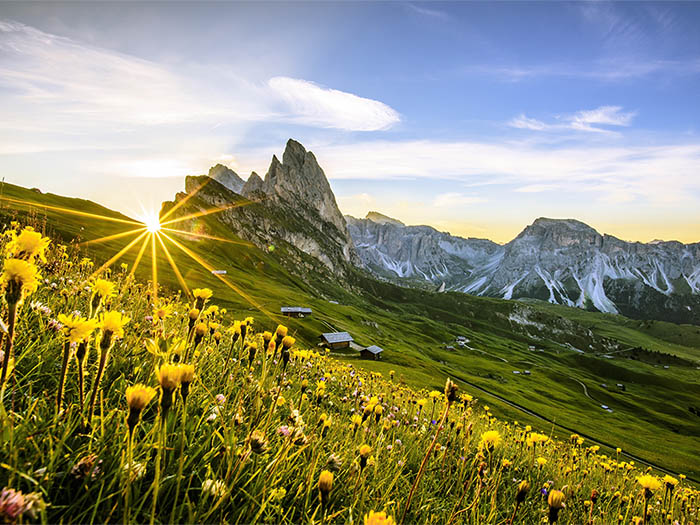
[{"x": 475, "y": 118}]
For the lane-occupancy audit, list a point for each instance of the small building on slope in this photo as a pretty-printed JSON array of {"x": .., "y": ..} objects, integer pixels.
[
  {"x": 373, "y": 353},
  {"x": 336, "y": 340},
  {"x": 295, "y": 311}
]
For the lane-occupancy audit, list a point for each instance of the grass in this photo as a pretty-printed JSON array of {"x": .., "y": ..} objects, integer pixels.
[
  {"x": 413, "y": 327},
  {"x": 249, "y": 442}
]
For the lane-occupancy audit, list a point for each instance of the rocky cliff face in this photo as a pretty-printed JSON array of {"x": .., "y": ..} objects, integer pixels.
[
  {"x": 294, "y": 204},
  {"x": 561, "y": 261},
  {"x": 226, "y": 177},
  {"x": 298, "y": 183}
]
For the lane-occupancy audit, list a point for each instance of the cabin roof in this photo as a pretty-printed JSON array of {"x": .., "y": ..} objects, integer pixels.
[
  {"x": 374, "y": 349},
  {"x": 295, "y": 310},
  {"x": 337, "y": 337}
]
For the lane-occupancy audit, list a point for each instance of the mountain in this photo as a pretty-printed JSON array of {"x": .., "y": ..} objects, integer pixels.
[
  {"x": 227, "y": 177},
  {"x": 293, "y": 205},
  {"x": 561, "y": 261}
]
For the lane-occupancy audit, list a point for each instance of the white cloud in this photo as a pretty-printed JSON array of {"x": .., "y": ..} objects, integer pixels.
[
  {"x": 523, "y": 122},
  {"x": 314, "y": 105},
  {"x": 59, "y": 94},
  {"x": 664, "y": 173},
  {"x": 608, "y": 70},
  {"x": 584, "y": 120},
  {"x": 605, "y": 115},
  {"x": 433, "y": 13},
  {"x": 454, "y": 199}
]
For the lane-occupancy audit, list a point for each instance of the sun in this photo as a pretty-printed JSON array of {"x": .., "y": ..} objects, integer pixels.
[
  {"x": 151, "y": 230},
  {"x": 152, "y": 224}
]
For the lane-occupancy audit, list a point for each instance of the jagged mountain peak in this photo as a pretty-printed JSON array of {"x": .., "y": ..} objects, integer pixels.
[
  {"x": 295, "y": 154},
  {"x": 227, "y": 177},
  {"x": 380, "y": 218}
]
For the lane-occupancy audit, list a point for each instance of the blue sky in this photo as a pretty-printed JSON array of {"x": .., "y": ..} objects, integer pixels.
[{"x": 475, "y": 118}]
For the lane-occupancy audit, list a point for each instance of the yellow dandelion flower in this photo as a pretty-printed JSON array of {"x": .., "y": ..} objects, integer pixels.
[
  {"x": 76, "y": 328},
  {"x": 649, "y": 482},
  {"x": 202, "y": 293},
  {"x": 281, "y": 331},
  {"x": 378, "y": 518},
  {"x": 113, "y": 323},
  {"x": 490, "y": 439},
  {"x": 19, "y": 278},
  {"x": 168, "y": 376},
  {"x": 201, "y": 329},
  {"x": 138, "y": 396},
  {"x": 325, "y": 482},
  {"x": 103, "y": 288},
  {"x": 541, "y": 462},
  {"x": 28, "y": 245},
  {"x": 186, "y": 373},
  {"x": 555, "y": 500}
]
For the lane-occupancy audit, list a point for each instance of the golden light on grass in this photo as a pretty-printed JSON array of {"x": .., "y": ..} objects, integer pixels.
[{"x": 150, "y": 230}]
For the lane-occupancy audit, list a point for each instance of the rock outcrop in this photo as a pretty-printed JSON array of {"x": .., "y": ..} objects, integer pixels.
[
  {"x": 293, "y": 204},
  {"x": 227, "y": 177}
]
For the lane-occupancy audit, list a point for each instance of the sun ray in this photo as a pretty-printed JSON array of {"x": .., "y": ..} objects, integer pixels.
[
  {"x": 111, "y": 237},
  {"x": 139, "y": 256},
  {"x": 183, "y": 201},
  {"x": 154, "y": 266},
  {"x": 74, "y": 212},
  {"x": 205, "y": 236},
  {"x": 210, "y": 268},
  {"x": 174, "y": 266},
  {"x": 117, "y": 256},
  {"x": 206, "y": 212}
]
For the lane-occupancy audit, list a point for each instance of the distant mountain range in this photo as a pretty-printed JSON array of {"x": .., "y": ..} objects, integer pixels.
[{"x": 562, "y": 261}]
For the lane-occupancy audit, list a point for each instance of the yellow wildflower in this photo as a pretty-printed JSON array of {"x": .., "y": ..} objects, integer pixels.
[
  {"x": 202, "y": 293},
  {"x": 378, "y": 518},
  {"x": 168, "y": 376},
  {"x": 490, "y": 439},
  {"x": 138, "y": 396},
  {"x": 19, "y": 278},
  {"x": 28, "y": 245},
  {"x": 113, "y": 323},
  {"x": 103, "y": 288}
]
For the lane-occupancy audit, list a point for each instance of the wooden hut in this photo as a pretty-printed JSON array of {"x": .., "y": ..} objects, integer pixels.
[
  {"x": 371, "y": 352},
  {"x": 336, "y": 340}
]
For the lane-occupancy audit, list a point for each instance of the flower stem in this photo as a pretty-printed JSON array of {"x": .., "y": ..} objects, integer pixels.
[
  {"x": 11, "y": 320},
  {"x": 424, "y": 462},
  {"x": 64, "y": 371}
]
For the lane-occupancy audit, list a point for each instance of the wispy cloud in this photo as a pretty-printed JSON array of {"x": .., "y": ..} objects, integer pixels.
[
  {"x": 661, "y": 174},
  {"x": 589, "y": 120},
  {"x": 309, "y": 103},
  {"x": 606, "y": 70},
  {"x": 60, "y": 94},
  {"x": 523, "y": 122},
  {"x": 604, "y": 115},
  {"x": 429, "y": 12}
]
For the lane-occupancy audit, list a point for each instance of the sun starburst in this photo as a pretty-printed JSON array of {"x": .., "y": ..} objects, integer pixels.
[{"x": 150, "y": 232}]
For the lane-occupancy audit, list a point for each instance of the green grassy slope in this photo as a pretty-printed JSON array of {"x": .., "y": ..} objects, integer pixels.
[{"x": 658, "y": 407}]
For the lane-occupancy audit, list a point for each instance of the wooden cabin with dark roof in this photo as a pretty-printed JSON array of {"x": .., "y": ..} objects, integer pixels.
[
  {"x": 336, "y": 340},
  {"x": 373, "y": 353}
]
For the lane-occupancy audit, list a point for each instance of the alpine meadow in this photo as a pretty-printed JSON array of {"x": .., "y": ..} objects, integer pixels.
[{"x": 476, "y": 301}]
